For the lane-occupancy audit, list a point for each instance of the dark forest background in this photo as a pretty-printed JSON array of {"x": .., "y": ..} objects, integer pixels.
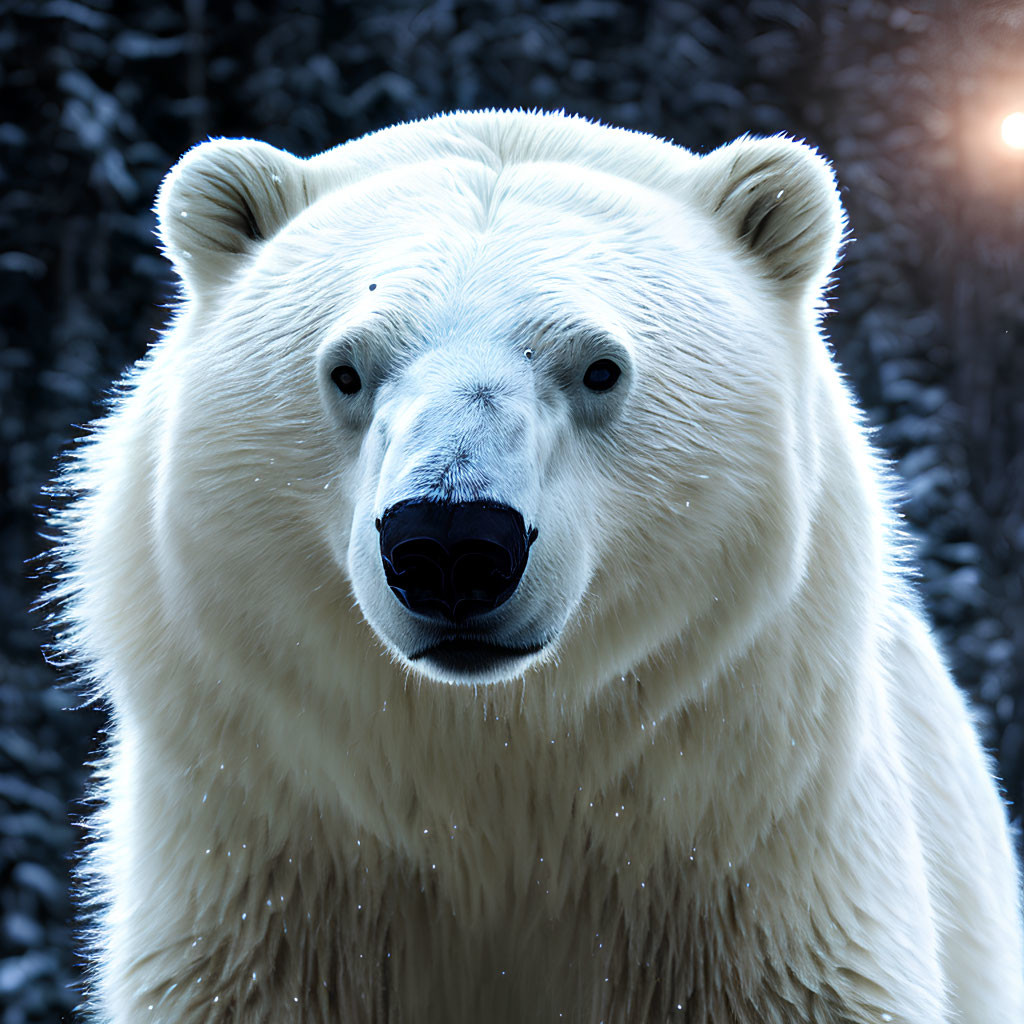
[{"x": 98, "y": 99}]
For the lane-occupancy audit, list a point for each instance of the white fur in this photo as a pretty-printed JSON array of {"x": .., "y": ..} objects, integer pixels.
[{"x": 737, "y": 785}]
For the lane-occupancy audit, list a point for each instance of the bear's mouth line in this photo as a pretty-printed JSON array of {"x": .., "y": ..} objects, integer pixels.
[{"x": 475, "y": 647}]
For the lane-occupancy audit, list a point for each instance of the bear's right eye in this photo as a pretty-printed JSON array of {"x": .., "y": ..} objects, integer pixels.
[{"x": 346, "y": 379}]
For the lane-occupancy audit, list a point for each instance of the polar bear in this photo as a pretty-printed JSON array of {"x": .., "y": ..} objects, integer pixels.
[{"x": 500, "y": 610}]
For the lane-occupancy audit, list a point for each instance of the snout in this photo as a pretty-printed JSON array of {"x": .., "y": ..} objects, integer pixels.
[
  {"x": 452, "y": 579},
  {"x": 452, "y": 561}
]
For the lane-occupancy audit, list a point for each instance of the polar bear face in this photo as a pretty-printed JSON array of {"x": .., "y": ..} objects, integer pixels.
[
  {"x": 485, "y": 381},
  {"x": 532, "y": 412}
]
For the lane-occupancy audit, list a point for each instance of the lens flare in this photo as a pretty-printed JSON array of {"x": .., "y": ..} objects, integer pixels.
[{"x": 1013, "y": 130}]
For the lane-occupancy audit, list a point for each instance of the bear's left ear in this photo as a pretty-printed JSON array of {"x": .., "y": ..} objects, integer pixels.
[
  {"x": 221, "y": 201},
  {"x": 778, "y": 202}
]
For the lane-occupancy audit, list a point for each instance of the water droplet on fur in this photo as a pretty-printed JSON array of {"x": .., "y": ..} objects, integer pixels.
[
  {"x": 528, "y": 353},
  {"x": 886, "y": 1016},
  {"x": 184, "y": 213},
  {"x": 244, "y": 915},
  {"x": 276, "y": 179},
  {"x": 205, "y": 795}
]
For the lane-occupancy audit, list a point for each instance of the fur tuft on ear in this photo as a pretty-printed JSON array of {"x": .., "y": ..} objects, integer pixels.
[
  {"x": 221, "y": 201},
  {"x": 779, "y": 202}
]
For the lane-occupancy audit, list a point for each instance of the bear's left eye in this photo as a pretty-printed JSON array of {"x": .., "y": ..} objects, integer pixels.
[
  {"x": 602, "y": 375},
  {"x": 346, "y": 379}
]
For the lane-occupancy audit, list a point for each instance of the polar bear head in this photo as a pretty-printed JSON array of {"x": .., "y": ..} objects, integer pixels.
[{"x": 530, "y": 392}]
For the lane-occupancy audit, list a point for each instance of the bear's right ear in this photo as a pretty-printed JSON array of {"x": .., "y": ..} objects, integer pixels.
[{"x": 221, "y": 201}]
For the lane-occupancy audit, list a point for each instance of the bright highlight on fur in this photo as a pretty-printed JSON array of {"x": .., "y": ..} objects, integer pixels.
[{"x": 501, "y": 611}]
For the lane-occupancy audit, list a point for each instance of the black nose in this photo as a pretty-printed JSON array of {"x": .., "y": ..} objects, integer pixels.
[{"x": 453, "y": 560}]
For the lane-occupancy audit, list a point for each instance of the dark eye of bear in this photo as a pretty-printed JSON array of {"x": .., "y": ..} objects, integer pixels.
[
  {"x": 602, "y": 375},
  {"x": 347, "y": 380}
]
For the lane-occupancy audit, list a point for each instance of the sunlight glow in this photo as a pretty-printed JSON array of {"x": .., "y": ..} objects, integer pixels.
[{"x": 1013, "y": 130}]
